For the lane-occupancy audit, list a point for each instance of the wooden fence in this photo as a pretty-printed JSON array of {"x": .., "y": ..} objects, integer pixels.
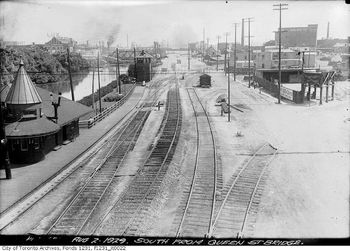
[
  {"x": 272, "y": 88},
  {"x": 106, "y": 112}
]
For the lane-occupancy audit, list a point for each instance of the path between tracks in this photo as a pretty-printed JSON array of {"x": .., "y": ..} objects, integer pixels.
[{"x": 27, "y": 178}]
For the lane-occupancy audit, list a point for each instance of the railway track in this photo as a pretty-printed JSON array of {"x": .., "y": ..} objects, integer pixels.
[
  {"x": 195, "y": 214},
  {"x": 132, "y": 208},
  {"x": 100, "y": 147},
  {"x": 237, "y": 211},
  {"x": 77, "y": 213}
]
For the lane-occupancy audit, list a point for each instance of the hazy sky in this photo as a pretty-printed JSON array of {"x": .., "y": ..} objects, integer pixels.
[{"x": 176, "y": 21}]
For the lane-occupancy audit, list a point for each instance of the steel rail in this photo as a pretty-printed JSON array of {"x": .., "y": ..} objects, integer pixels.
[
  {"x": 132, "y": 113},
  {"x": 254, "y": 192},
  {"x": 215, "y": 161},
  {"x": 232, "y": 185},
  {"x": 112, "y": 149},
  {"x": 125, "y": 192},
  {"x": 195, "y": 172},
  {"x": 162, "y": 164},
  {"x": 252, "y": 196}
]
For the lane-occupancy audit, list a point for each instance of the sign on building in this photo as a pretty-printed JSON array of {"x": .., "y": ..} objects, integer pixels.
[{"x": 287, "y": 93}]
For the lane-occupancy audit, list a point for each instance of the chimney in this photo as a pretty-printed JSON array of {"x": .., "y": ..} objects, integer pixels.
[
  {"x": 242, "y": 39},
  {"x": 328, "y": 31}
]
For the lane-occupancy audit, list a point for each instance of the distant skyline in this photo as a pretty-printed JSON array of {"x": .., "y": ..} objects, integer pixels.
[{"x": 177, "y": 22}]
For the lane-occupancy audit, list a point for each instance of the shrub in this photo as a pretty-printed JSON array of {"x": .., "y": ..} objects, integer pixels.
[{"x": 112, "y": 97}]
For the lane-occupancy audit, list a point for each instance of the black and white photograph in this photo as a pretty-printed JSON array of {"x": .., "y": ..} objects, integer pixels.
[{"x": 172, "y": 122}]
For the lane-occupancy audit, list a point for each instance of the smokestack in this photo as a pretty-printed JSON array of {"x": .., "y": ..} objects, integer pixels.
[
  {"x": 328, "y": 31},
  {"x": 242, "y": 39}
]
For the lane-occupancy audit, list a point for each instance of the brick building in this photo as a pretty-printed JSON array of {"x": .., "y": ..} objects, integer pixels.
[{"x": 298, "y": 36}]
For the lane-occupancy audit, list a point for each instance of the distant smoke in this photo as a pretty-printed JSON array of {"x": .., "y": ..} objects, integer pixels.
[
  {"x": 113, "y": 35},
  {"x": 183, "y": 34},
  {"x": 98, "y": 29}
]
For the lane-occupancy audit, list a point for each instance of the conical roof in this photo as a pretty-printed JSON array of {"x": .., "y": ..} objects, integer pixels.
[{"x": 23, "y": 90}]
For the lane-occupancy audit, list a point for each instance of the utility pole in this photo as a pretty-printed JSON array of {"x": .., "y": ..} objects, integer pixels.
[
  {"x": 281, "y": 6},
  {"x": 242, "y": 36},
  {"x": 203, "y": 44},
  {"x": 70, "y": 75},
  {"x": 249, "y": 21},
  {"x": 4, "y": 159},
  {"x": 189, "y": 57},
  {"x": 98, "y": 79},
  {"x": 217, "y": 55},
  {"x": 225, "y": 69},
  {"x": 135, "y": 71},
  {"x": 127, "y": 40},
  {"x": 228, "y": 92},
  {"x": 93, "y": 89},
  {"x": 235, "y": 54},
  {"x": 118, "y": 70}
]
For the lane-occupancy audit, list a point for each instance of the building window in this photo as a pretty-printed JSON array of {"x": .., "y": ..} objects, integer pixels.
[
  {"x": 36, "y": 143},
  {"x": 24, "y": 145},
  {"x": 262, "y": 66},
  {"x": 15, "y": 144}
]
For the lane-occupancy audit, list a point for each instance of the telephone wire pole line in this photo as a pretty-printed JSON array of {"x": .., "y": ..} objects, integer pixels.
[{"x": 281, "y": 6}]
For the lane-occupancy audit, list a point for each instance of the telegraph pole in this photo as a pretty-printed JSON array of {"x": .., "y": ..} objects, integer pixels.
[
  {"x": 93, "y": 89},
  {"x": 70, "y": 75},
  {"x": 135, "y": 71},
  {"x": 281, "y": 6},
  {"x": 217, "y": 56},
  {"x": 249, "y": 21},
  {"x": 234, "y": 60},
  {"x": 203, "y": 44},
  {"x": 98, "y": 79},
  {"x": 226, "y": 33},
  {"x": 228, "y": 92},
  {"x": 189, "y": 57},
  {"x": 118, "y": 70},
  {"x": 4, "y": 159}
]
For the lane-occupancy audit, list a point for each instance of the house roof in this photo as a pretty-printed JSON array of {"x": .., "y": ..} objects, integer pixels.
[
  {"x": 60, "y": 40},
  {"x": 31, "y": 128},
  {"x": 54, "y": 40},
  {"x": 67, "y": 111},
  {"x": 23, "y": 90}
]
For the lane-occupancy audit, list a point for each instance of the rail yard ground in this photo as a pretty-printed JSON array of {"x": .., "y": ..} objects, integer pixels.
[
  {"x": 306, "y": 194},
  {"x": 305, "y": 190}
]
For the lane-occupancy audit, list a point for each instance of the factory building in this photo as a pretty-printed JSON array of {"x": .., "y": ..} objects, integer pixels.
[{"x": 298, "y": 36}]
